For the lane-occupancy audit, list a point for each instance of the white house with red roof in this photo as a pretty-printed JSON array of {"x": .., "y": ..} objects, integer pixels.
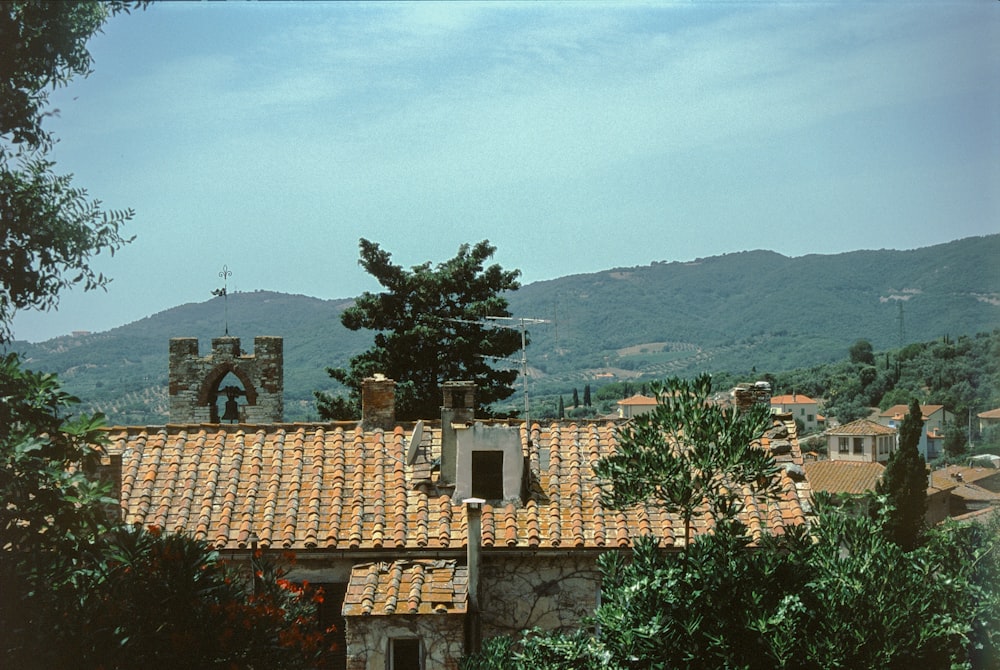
[
  {"x": 861, "y": 441},
  {"x": 932, "y": 439},
  {"x": 802, "y": 408},
  {"x": 635, "y": 405}
]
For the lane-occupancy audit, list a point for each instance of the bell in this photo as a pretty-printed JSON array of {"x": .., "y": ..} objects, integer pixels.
[{"x": 232, "y": 412}]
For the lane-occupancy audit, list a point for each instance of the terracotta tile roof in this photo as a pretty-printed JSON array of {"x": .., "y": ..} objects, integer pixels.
[
  {"x": 990, "y": 414},
  {"x": 861, "y": 427},
  {"x": 962, "y": 473},
  {"x": 407, "y": 587},
  {"x": 898, "y": 412},
  {"x": 849, "y": 477},
  {"x": 792, "y": 399},
  {"x": 638, "y": 399},
  {"x": 336, "y": 487}
]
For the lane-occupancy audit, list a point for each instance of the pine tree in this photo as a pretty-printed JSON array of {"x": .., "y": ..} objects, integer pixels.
[
  {"x": 429, "y": 328},
  {"x": 904, "y": 482}
]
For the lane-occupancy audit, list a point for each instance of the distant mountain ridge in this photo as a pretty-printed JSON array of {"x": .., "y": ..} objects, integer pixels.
[{"x": 752, "y": 311}]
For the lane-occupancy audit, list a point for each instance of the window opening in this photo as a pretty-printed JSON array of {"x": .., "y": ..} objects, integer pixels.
[
  {"x": 859, "y": 445},
  {"x": 487, "y": 475}
]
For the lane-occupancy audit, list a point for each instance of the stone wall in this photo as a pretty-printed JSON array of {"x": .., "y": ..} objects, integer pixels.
[
  {"x": 442, "y": 639},
  {"x": 553, "y": 593}
]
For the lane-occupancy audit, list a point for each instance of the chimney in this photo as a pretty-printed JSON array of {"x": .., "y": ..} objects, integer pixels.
[
  {"x": 378, "y": 403},
  {"x": 108, "y": 470},
  {"x": 459, "y": 408},
  {"x": 473, "y": 512}
]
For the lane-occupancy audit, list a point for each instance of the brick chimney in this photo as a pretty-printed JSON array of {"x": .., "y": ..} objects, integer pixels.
[
  {"x": 459, "y": 408},
  {"x": 378, "y": 403}
]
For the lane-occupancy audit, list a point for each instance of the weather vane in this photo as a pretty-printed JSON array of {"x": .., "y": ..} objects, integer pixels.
[{"x": 225, "y": 275}]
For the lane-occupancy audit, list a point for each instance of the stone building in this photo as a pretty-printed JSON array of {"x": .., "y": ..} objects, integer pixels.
[{"x": 427, "y": 537}]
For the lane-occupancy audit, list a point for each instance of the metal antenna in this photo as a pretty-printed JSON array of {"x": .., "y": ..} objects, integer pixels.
[
  {"x": 520, "y": 323},
  {"x": 225, "y": 274}
]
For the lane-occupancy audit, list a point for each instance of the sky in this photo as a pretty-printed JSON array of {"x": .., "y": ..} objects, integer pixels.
[{"x": 269, "y": 138}]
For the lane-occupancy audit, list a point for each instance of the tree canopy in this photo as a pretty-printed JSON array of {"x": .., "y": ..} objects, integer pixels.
[
  {"x": 689, "y": 455},
  {"x": 430, "y": 327},
  {"x": 905, "y": 482},
  {"x": 50, "y": 229}
]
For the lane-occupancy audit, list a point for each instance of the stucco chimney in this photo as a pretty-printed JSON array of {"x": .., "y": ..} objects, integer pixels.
[
  {"x": 473, "y": 511},
  {"x": 459, "y": 408},
  {"x": 378, "y": 403}
]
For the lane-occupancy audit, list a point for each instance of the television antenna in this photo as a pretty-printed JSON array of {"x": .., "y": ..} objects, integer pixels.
[
  {"x": 515, "y": 323},
  {"x": 520, "y": 323}
]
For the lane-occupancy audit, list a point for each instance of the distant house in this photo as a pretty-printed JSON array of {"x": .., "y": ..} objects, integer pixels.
[
  {"x": 635, "y": 405},
  {"x": 855, "y": 479},
  {"x": 861, "y": 441},
  {"x": 801, "y": 407},
  {"x": 988, "y": 419},
  {"x": 935, "y": 416},
  {"x": 973, "y": 488}
]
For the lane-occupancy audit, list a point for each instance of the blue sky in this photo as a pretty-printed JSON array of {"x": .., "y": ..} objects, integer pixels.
[{"x": 576, "y": 137}]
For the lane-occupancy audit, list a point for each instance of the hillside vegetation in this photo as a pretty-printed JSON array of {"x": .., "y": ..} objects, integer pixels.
[{"x": 744, "y": 314}]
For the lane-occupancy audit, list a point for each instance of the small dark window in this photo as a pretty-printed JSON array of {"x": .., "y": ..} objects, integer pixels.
[
  {"x": 859, "y": 445},
  {"x": 404, "y": 654},
  {"x": 487, "y": 475}
]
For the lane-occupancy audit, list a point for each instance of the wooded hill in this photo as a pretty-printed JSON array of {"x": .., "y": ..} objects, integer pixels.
[{"x": 744, "y": 313}]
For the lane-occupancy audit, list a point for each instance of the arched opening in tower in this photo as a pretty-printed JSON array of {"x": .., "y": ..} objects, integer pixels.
[{"x": 228, "y": 400}]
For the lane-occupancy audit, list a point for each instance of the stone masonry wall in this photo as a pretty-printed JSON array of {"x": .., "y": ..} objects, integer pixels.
[
  {"x": 442, "y": 638},
  {"x": 553, "y": 593}
]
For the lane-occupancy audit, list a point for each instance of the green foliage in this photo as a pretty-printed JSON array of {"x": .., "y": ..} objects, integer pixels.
[
  {"x": 956, "y": 439},
  {"x": 167, "y": 601},
  {"x": 429, "y": 329},
  {"x": 50, "y": 229},
  {"x": 861, "y": 353},
  {"x": 904, "y": 482},
  {"x": 844, "y": 596},
  {"x": 51, "y": 512},
  {"x": 689, "y": 456}
]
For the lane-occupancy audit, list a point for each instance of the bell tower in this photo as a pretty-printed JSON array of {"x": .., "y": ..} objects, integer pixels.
[{"x": 228, "y": 385}]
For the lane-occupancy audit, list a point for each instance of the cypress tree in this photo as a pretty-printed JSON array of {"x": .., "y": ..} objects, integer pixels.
[
  {"x": 586, "y": 395},
  {"x": 562, "y": 408},
  {"x": 576, "y": 398},
  {"x": 904, "y": 482}
]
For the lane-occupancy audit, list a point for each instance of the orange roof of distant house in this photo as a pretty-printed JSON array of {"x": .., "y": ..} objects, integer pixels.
[
  {"x": 792, "y": 399},
  {"x": 897, "y": 412},
  {"x": 638, "y": 399},
  {"x": 990, "y": 414},
  {"x": 843, "y": 476},
  {"x": 861, "y": 427}
]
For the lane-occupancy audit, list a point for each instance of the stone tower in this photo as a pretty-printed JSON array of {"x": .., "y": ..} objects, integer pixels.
[{"x": 196, "y": 389}]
